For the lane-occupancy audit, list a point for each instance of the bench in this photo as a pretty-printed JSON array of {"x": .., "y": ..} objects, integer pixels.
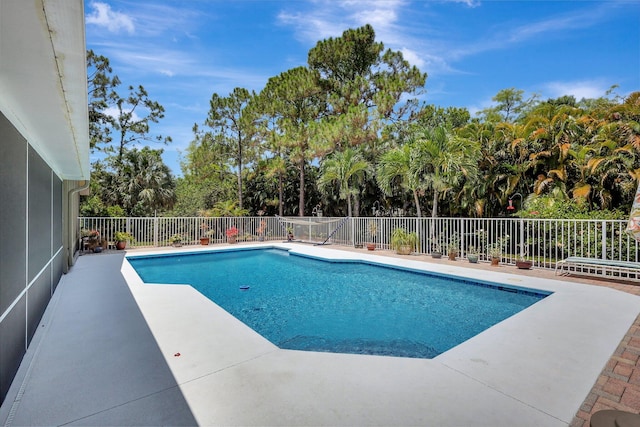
[{"x": 606, "y": 268}]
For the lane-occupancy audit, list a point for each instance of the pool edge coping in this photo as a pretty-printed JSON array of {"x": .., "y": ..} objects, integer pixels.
[{"x": 457, "y": 358}]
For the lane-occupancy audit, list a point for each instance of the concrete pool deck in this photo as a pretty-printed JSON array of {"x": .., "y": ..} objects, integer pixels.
[{"x": 114, "y": 351}]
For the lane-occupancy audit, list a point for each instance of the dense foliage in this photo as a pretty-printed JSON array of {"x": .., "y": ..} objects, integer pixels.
[{"x": 346, "y": 134}]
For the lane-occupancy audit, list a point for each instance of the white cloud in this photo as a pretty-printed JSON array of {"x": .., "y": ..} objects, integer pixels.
[
  {"x": 469, "y": 3},
  {"x": 393, "y": 24},
  {"x": 555, "y": 24},
  {"x": 174, "y": 22},
  {"x": 381, "y": 15},
  {"x": 512, "y": 34},
  {"x": 579, "y": 89},
  {"x": 103, "y": 16},
  {"x": 412, "y": 57},
  {"x": 147, "y": 58},
  {"x": 115, "y": 113},
  {"x": 329, "y": 18},
  {"x": 311, "y": 28},
  {"x": 480, "y": 105}
]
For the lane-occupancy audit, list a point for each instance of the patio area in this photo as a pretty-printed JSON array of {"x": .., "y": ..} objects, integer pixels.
[{"x": 113, "y": 351}]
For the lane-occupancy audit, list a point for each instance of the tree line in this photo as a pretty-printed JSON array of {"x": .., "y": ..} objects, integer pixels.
[{"x": 346, "y": 134}]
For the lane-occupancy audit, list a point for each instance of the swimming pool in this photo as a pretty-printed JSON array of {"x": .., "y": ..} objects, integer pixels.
[{"x": 309, "y": 304}]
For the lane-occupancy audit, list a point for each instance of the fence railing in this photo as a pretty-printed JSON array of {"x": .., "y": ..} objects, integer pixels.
[{"x": 544, "y": 241}]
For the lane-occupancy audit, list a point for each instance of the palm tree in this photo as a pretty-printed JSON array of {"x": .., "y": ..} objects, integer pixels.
[
  {"x": 483, "y": 194},
  {"x": 584, "y": 162},
  {"x": 444, "y": 161},
  {"x": 347, "y": 169},
  {"x": 144, "y": 183},
  {"x": 611, "y": 171},
  {"x": 626, "y": 118},
  {"x": 505, "y": 160},
  {"x": 552, "y": 130},
  {"x": 396, "y": 168},
  {"x": 226, "y": 208}
]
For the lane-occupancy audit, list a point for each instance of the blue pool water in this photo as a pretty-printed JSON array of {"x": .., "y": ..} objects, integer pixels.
[{"x": 344, "y": 307}]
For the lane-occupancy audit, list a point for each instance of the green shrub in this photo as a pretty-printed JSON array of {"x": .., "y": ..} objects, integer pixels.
[{"x": 401, "y": 237}]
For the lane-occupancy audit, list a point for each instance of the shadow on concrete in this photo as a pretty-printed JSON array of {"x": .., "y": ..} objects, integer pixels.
[{"x": 94, "y": 360}]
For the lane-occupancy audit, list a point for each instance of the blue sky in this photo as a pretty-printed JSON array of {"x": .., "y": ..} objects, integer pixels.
[{"x": 184, "y": 51}]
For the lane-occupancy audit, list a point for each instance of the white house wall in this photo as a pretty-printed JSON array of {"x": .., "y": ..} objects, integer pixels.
[
  {"x": 43, "y": 75},
  {"x": 44, "y": 150}
]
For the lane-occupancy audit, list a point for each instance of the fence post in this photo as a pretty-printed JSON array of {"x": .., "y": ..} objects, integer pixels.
[
  {"x": 521, "y": 224},
  {"x": 462, "y": 237},
  {"x": 155, "y": 231},
  {"x": 417, "y": 228},
  {"x": 604, "y": 239}
]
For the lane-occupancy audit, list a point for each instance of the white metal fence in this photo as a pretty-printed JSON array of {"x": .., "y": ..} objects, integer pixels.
[{"x": 544, "y": 241}]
